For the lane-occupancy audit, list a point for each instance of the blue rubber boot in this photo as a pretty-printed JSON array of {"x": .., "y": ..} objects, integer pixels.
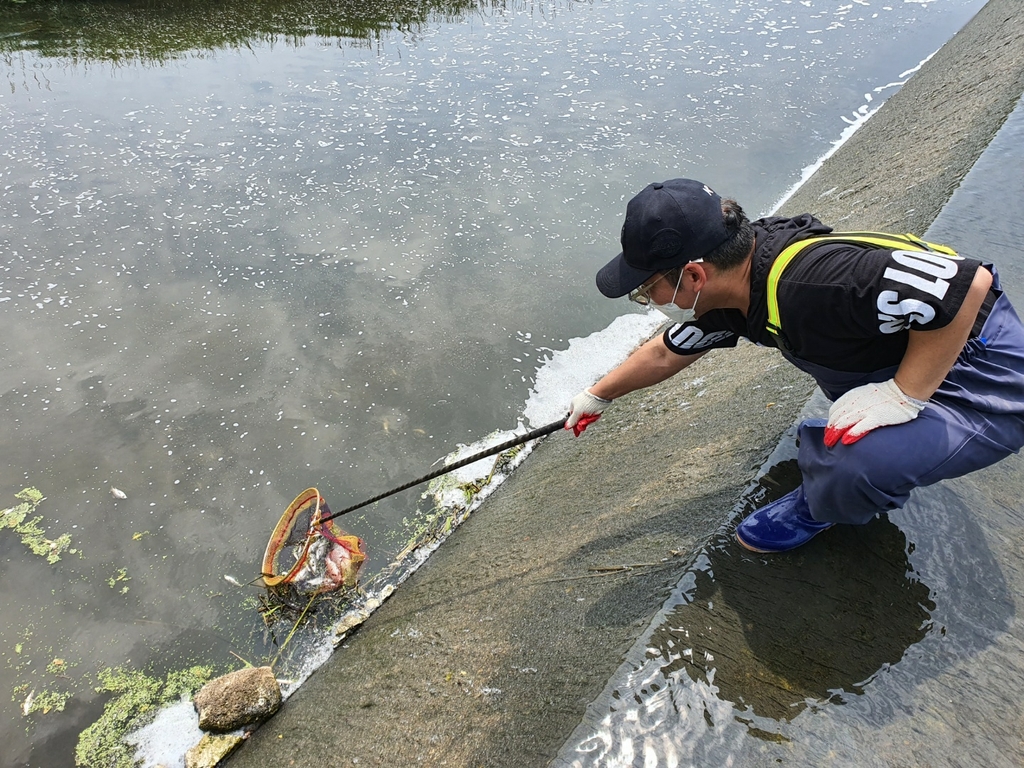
[{"x": 780, "y": 526}]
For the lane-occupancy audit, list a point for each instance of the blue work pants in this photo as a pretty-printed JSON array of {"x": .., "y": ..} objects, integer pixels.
[{"x": 973, "y": 420}]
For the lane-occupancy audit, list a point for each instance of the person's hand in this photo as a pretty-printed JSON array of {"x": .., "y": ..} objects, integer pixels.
[
  {"x": 584, "y": 410},
  {"x": 866, "y": 408}
]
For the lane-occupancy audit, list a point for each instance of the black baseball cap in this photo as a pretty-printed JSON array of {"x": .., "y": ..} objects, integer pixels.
[{"x": 667, "y": 225}]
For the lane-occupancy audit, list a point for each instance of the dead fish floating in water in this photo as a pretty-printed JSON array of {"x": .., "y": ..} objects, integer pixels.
[
  {"x": 232, "y": 580},
  {"x": 27, "y": 706},
  {"x": 117, "y": 493}
]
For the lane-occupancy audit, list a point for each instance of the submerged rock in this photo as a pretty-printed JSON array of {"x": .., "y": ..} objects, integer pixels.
[
  {"x": 211, "y": 750},
  {"x": 237, "y": 699}
]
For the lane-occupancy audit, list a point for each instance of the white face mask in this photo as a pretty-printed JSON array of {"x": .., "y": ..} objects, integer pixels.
[{"x": 678, "y": 314}]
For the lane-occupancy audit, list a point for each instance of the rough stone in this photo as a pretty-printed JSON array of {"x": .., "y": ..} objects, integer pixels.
[
  {"x": 211, "y": 750},
  {"x": 237, "y": 699}
]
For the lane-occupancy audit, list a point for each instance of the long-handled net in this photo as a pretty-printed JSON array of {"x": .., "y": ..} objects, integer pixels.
[{"x": 310, "y": 553}]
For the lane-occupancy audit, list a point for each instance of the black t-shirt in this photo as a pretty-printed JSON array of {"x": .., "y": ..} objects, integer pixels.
[{"x": 843, "y": 306}]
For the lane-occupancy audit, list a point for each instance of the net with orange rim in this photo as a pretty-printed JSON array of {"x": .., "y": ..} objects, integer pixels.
[{"x": 310, "y": 554}]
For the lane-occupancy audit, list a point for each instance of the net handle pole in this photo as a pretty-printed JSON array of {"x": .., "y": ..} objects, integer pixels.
[{"x": 519, "y": 440}]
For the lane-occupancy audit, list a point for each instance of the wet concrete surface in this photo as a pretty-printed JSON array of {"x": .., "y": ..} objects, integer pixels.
[{"x": 894, "y": 644}]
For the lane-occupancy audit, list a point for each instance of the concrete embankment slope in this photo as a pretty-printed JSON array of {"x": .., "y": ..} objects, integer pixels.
[
  {"x": 899, "y": 170},
  {"x": 490, "y": 654}
]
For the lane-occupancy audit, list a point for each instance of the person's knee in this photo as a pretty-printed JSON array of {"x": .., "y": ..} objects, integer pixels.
[{"x": 850, "y": 483}]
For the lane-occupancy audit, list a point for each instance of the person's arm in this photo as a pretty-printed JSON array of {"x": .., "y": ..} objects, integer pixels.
[
  {"x": 931, "y": 354},
  {"x": 649, "y": 365},
  {"x": 928, "y": 359},
  {"x": 652, "y": 363}
]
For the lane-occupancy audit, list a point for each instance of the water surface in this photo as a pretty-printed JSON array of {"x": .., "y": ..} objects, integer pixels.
[
  {"x": 250, "y": 248},
  {"x": 893, "y": 643}
]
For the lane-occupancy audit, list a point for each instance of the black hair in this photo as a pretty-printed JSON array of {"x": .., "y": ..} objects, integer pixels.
[{"x": 735, "y": 250}]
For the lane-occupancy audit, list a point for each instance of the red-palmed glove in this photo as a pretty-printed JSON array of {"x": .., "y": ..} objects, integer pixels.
[
  {"x": 866, "y": 408},
  {"x": 584, "y": 410}
]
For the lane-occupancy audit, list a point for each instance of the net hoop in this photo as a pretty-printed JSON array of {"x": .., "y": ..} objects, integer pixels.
[{"x": 283, "y": 530}]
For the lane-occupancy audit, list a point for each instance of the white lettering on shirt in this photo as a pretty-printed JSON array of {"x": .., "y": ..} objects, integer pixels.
[
  {"x": 934, "y": 265},
  {"x": 896, "y": 315},
  {"x": 931, "y": 274},
  {"x": 690, "y": 337}
]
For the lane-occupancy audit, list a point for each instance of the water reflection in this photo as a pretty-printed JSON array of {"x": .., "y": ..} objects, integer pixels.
[
  {"x": 811, "y": 654},
  {"x": 808, "y": 627},
  {"x": 154, "y": 30}
]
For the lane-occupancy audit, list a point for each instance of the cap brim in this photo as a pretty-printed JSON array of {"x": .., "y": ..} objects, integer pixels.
[{"x": 617, "y": 278}]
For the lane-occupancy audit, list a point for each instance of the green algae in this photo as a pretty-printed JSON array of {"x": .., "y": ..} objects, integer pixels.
[
  {"x": 118, "y": 578},
  {"x": 136, "y": 696},
  {"x": 447, "y": 513},
  {"x": 33, "y": 536},
  {"x": 137, "y": 699},
  {"x": 46, "y": 702},
  {"x": 452, "y": 500}
]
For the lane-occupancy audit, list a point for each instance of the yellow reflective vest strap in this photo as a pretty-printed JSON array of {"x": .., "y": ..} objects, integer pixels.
[{"x": 905, "y": 242}]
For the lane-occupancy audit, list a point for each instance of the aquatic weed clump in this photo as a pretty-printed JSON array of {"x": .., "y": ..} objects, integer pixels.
[
  {"x": 137, "y": 699},
  {"x": 32, "y": 534}
]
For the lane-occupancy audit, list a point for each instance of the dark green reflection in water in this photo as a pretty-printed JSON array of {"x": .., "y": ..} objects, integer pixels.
[{"x": 137, "y": 31}]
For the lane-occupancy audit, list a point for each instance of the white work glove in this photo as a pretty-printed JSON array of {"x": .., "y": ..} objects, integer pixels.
[
  {"x": 866, "y": 408},
  {"x": 584, "y": 410}
]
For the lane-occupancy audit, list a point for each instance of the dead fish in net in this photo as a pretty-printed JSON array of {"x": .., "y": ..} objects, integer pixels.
[
  {"x": 344, "y": 562},
  {"x": 332, "y": 561},
  {"x": 323, "y": 557}
]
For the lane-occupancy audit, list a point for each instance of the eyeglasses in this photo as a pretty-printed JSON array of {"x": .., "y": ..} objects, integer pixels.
[{"x": 642, "y": 294}]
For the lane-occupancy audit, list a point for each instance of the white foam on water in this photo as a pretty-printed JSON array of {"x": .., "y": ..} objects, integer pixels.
[
  {"x": 567, "y": 372},
  {"x": 561, "y": 375},
  {"x": 164, "y": 742}
]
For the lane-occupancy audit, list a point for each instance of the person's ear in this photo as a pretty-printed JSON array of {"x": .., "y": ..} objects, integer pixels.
[{"x": 696, "y": 275}]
